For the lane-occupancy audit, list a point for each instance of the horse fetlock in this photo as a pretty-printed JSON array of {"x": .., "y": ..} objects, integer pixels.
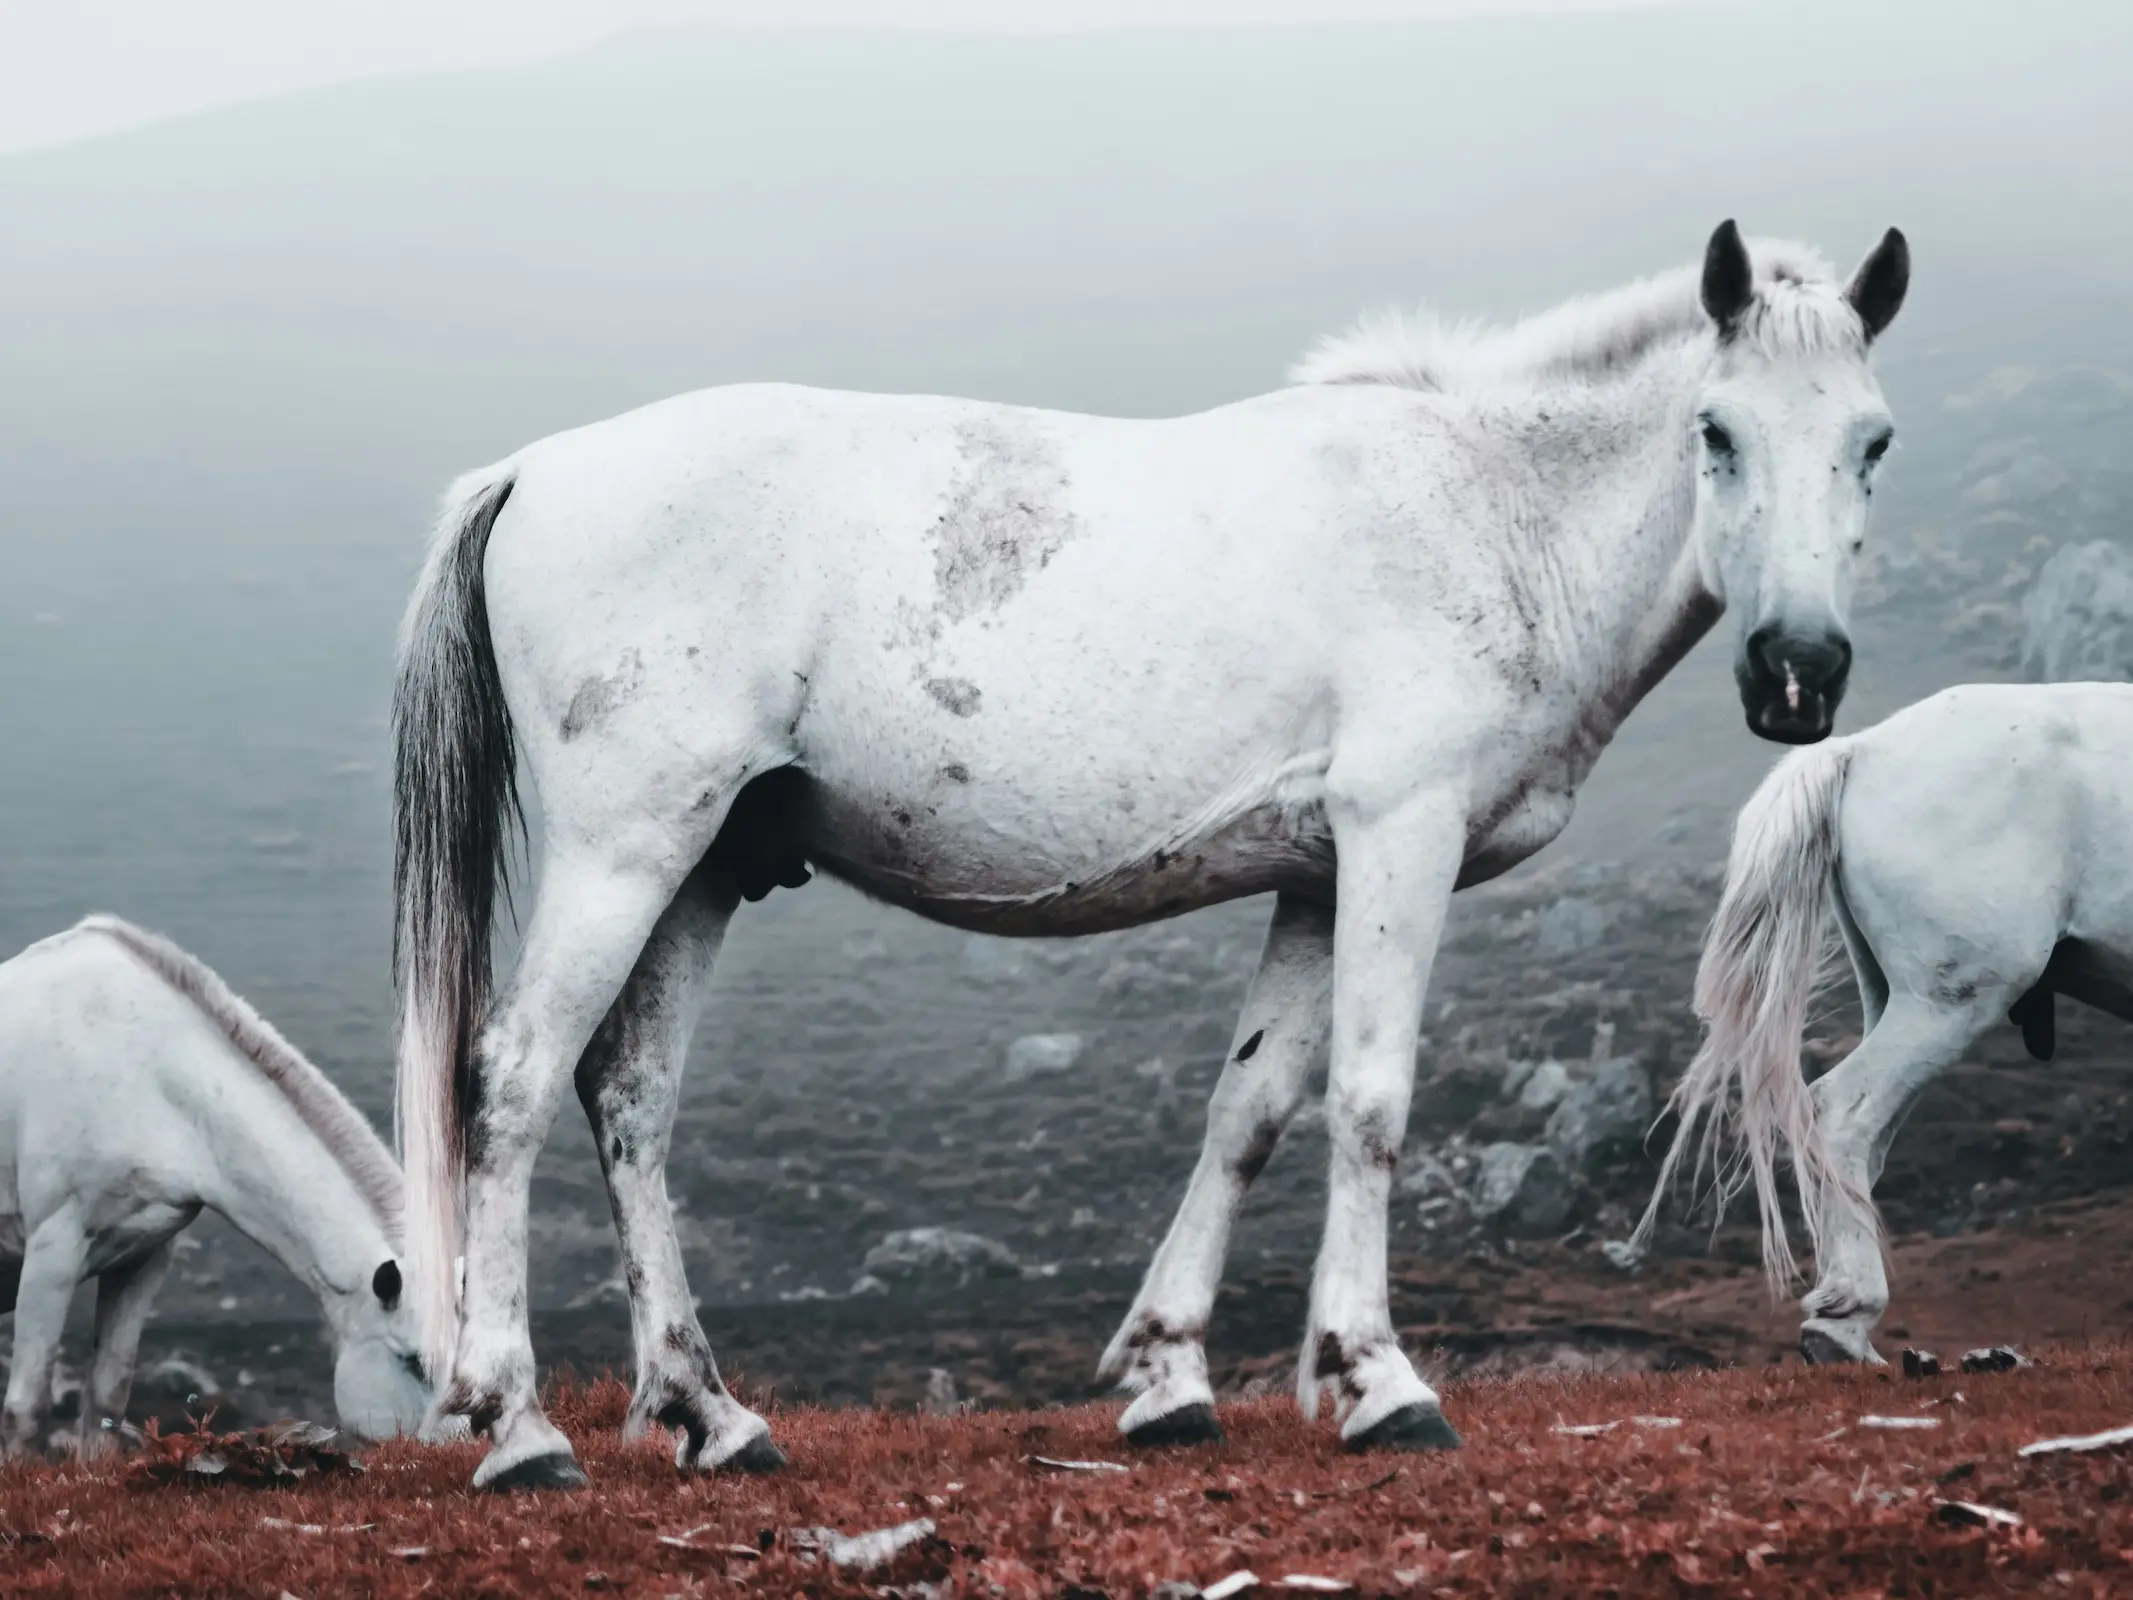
[
  {"x": 18, "y": 1431},
  {"x": 529, "y": 1452},
  {"x": 1150, "y": 1350},
  {"x": 1380, "y": 1383},
  {"x": 1369, "y": 1374},
  {"x": 1846, "y": 1300},
  {"x": 1176, "y": 1403},
  {"x": 737, "y": 1441}
]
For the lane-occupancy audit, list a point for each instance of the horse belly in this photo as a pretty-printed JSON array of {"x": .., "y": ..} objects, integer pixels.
[
  {"x": 935, "y": 878},
  {"x": 1007, "y": 828}
]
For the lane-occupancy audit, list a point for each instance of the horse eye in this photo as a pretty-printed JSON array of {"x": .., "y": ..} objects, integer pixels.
[
  {"x": 1716, "y": 439},
  {"x": 1878, "y": 449}
]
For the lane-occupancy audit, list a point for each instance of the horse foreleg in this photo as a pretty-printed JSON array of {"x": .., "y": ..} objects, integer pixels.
[
  {"x": 52, "y": 1261},
  {"x": 1859, "y": 1104},
  {"x": 1160, "y": 1350},
  {"x": 629, "y": 1081},
  {"x": 596, "y": 909},
  {"x": 124, "y": 1296},
  {"x": 1395, "y": 877}
]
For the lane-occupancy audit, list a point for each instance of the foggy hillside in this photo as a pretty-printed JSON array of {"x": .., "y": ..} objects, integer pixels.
[{"x": 241, "y": 354}]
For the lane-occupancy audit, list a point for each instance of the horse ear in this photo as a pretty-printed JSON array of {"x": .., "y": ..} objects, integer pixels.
[
  {"x": 385, "y": 1284},
  {"x": 1728, "y": 277},
  {"x": 1877, "y": 288}
]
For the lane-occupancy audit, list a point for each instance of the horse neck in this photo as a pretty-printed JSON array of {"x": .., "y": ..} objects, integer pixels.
[
  {"x": 283, "y": 1187},
  {"x": 1617, "y": 467}
]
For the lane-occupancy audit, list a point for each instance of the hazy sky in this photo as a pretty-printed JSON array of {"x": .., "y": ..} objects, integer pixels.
[{"x": 92, "y": 66}]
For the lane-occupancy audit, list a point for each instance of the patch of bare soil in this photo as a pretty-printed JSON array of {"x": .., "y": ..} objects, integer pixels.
[{"x": 1769, "y": 1480}]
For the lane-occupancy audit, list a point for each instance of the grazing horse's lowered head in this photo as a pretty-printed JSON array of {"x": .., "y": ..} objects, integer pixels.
[{"x": 1792, "y": 430}]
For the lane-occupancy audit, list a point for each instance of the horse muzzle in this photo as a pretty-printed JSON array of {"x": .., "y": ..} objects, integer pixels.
[{"x": 1792, "y": 683}]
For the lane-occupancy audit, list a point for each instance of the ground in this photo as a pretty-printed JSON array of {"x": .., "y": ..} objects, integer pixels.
[{"x": 1765, "y": 1482}]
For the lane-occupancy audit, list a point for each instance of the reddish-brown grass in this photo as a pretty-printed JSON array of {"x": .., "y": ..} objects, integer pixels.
[{"x": 1769, "y": 1486}]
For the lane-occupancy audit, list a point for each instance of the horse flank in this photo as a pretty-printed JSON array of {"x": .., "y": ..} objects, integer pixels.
[
  {"x": 324, "y": 1109},
  {"x": 1801, "y": 310},
  {"x": 1768, "y": 954}
]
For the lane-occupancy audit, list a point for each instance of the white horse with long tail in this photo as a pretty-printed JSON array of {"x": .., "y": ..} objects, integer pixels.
[
  {"x": 1356, "y": 643},
  {"x": 1975, "y": 852},
  {"x": 135, "y": 1091}
]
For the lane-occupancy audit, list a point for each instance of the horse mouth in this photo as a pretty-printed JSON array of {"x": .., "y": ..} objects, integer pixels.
[{"x": 1802, "y": 717}]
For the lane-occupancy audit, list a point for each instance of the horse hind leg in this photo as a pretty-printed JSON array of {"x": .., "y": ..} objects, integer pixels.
[
  {"x": 1160, "y": 1349},
  {"x": 629, "y": 1081},
  {"x": 601, "y": 896},
  {"x": 1860, "y": 1103}
]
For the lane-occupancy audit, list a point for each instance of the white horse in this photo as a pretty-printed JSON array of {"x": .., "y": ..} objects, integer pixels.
[
  {"x": 136, "y": 1089},
  {"x": 1977, "y": 850},
  {"x": 1356, "y": 642}
]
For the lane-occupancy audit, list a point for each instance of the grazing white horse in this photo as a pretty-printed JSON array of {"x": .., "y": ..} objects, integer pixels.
[
  {"x": 136, "y": 1089},
  {"x": 1356, "y": 642},
  {"x": 1977, "y": 851}
]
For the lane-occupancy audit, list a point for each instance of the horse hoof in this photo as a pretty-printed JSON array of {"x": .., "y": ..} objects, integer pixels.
[
  {"x": 1818, "y": 1349},
  {"x": 1416, "y": 1427},
  {"x": 556, "y": 1470},
  {"x": 758, "y": 1455},
  {"x": 1193, "y": 1424}
]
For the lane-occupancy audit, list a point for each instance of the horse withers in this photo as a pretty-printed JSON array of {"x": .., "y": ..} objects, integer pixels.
[{"x": 1355, "y": 643}]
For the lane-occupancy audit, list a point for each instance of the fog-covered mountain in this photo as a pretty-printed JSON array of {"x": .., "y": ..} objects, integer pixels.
[{"x": 241, "y": 353}]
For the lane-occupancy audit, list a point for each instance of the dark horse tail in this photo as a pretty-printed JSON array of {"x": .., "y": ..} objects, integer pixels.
[{"x": 455, "y": 812}]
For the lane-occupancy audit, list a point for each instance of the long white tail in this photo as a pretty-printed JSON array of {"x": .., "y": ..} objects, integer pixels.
[
  {"x": 1764, "y": 959},
  {"x": 455, "y": 802}
]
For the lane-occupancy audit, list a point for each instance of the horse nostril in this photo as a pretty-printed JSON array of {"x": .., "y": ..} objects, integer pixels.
[
  {"x": 1759, "y": 651},
  {"x": 1813, "y": 662}
]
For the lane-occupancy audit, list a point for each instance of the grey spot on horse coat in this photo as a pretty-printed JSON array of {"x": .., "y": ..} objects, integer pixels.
[
  {"x": 1003, "y": 520},
  {"x": 1258, "y": 1151},
  {"x": 957, "y": 695},
  {"x": 1251, "y": 1046},
  {"x": 598, "y": 696},
  {"x": 956, "y": 772}
]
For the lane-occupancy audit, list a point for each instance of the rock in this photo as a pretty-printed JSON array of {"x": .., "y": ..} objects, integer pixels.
[
  {"x": 860, "y": 1552},
  {"x": 1520, "y": 1188},
  {"x": 1622, "y": 1254},
  {"x": 1036, "y": 1055},
  {"x": 1570, "y": 926},
  {"x": 1454, "y": 1094},
  {"x": 1426, "y": 1176},
  {"x": 1996, "y": 1358},
  {"x": 2077, "y": 619},
  {"x": 938, "y": 1257},
  {"x": 1920, "y": 1363},
  {"x": 1545, "y": 1086},
  {"x": 1609, "y": 1109}
]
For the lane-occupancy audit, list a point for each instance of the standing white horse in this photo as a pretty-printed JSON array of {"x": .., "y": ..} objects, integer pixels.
[
  {"x": 1356, "y": 642},
  {"x": 136, "y": 1089},
  {"x": 1977, "y": 850}
]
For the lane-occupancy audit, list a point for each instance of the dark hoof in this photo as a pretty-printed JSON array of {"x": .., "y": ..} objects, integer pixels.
[
  {"x": 1420, "y": 1426},
  {"x": 757, "y": 1455},
  {"x": 558, "y": 1471},
  {"x": 1193, "y": 1424},
  {"x": 1818, "y": 1349}
]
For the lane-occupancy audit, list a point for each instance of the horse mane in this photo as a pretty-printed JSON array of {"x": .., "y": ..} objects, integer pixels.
[
  {"x": 345, "y": 1131},
  {"x": 1799, "y": 309}
]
